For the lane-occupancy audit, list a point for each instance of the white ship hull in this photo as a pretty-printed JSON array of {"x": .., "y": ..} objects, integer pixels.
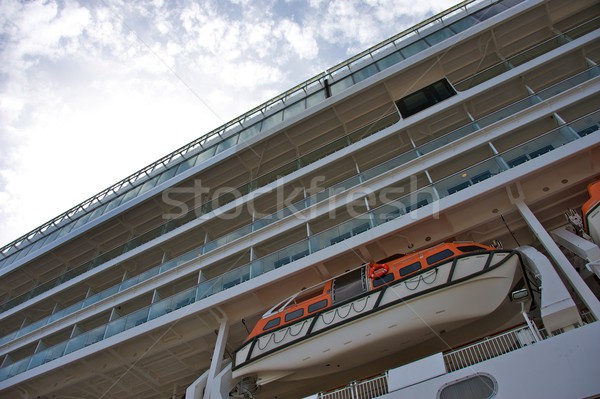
[{"x": 381, "y": 322}]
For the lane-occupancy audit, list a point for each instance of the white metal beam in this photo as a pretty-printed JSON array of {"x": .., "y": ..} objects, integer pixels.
[{"x": 587, "y": 296}]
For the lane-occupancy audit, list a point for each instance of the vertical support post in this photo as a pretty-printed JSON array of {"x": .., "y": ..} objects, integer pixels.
[
  {"x": 587, "y": 296},
  {"x": 216, "y": 363}
]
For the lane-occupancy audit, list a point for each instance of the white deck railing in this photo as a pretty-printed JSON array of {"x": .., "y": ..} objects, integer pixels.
[
  {"x": 364, "y": 389},
  {"x": 489, "y": 348}
]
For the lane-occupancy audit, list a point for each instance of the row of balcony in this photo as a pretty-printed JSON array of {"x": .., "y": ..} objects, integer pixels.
[
  {"x": 545, "y": 143},
  {"x": 319, "y": 153},
  {"x": 452, "y": 184}
]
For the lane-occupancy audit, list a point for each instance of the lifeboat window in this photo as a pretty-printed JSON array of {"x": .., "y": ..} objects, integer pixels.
[
  {"x": 294, "y": 314},
  {"x": 470, "y": 248},
  {"x": 406, "y": 270},
  {"x": 446, "y": 253},
  {"x": 272, "y": 323},
  {"x": 313, "y": 307},
  {"x": 382, "y": 280}
]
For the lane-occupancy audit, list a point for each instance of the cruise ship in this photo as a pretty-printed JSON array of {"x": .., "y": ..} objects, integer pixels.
[{"x": 419, "y": 221}]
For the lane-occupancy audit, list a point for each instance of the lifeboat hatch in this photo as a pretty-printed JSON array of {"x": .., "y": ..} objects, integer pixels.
[{"x": 349, "y": 285}]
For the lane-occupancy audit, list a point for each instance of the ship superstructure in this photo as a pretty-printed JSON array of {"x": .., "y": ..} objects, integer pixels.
[{"x": 481, "y": 124}]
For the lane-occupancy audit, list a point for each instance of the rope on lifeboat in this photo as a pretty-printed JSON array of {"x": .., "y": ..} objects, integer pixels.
[
  {"x": 422, "y": 277},
  {"x": 288, "y": 330},
  {"x": 337, "y": 314}
]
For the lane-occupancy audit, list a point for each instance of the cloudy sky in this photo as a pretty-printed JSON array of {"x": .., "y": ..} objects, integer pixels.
[{"x": 91, "y": 91}]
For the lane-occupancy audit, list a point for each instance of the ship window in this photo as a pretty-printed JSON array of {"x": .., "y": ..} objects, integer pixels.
[
  {"x": 313, "y": 307},
  {"x": 382, "y": 280},
  {"x": 425, "y": 98},
  {"x": 478, "y": 386},
  {"x": 294, "y": 314},
  {"x": 470, "y": 248},
  {"x": 272, "y": 323},
  {"x": 406, "y": 270},
  {"x": 446, "y": 253}
]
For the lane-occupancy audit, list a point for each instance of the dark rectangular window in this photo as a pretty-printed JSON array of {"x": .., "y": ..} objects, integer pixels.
[
  {"x": 425, "y": 98},
  {"x": 470, "y": 248},
  {"x": 446, "y": 253},
  {"x": 406, "y": 270},
  {"x": 294, "y": 314},
  {"x": 313, "y": 307},
  {"x": 383, "y": 280},
  {"x": 272, "y": 323}
]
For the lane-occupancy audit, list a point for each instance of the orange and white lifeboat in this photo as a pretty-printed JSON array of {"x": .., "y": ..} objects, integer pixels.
[
  {"x": 359, "y": 314},
  {"x": 591, "y": 212}
]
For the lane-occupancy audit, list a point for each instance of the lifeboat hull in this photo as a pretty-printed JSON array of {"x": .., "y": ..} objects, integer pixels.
[
  {"x": 591, "y": 212},
  {"x": 383, "y": 321}
]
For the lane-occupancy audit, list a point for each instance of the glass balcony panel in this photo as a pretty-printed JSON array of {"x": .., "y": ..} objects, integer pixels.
[
  {"x": 272, "y": 121},
  {"x": 64, "y": 312},
  {"x": 18, "y": 367},
  {"x": 236, "y": 276},
  {"x": 37, "y": 360},
  {"x": 131, "y": 194},
  {"x": 148, "y": 185},
  {"x": 227, "y": 143},
  {"x": 341, "y": 85},
  {"x": 587, "y": 124},
  {"x": 365, "y": 73},
  {"x": 414, "y": 48},
  {"x": 160, "y": 308},
  {"x": 114, "y": 203},
  {"x": 206, "y": 153},
  {"x": 534, "y": 148},
  {"x": 388, "y": 212},
  {"x": 31, "y": 327},
  {"x": 389, "y": 60},
  {"x": 466, "y": 178},
  {"x": 66, "y": 229},
  {"x": 98, "y": 211},
  {"x": 212, "y": 286},
  {"x": 438, "y": 36},
  {"x": 95, "y": 335},
  {"x": 204, "y": 290},
  {"x": 136, "y": 318},
  {"x": 82, "y": 220},
  {"x": 463, "y": 24},
  {"x": 250, "y": 132},
  {"x": 167, "y": 266},
  {"x": 234, "y": 235},
  {"x": 507, "y": 111},
  {"x": 390, "y": 164},
  {"x": 148, "y": 274},
  {"x": 569, "y": 83},
  {"x": 75, "y": 343},
  {"x": 294, "y": 109},
  {"x": 447, "y": 139},
  {"x": 115, "y": 327},
  {"x": 315, "y": 98},
  {"x": 536, "y": 51},
  {"x": 167, "y": 174},
  {"x": 8, "y": 337},
  {"x": 489, "y": 12}
]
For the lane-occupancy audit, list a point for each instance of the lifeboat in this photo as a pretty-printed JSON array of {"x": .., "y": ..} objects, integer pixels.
[
  {"x": 353, "y": 318},
  {"x": 591, "y": 212}
]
